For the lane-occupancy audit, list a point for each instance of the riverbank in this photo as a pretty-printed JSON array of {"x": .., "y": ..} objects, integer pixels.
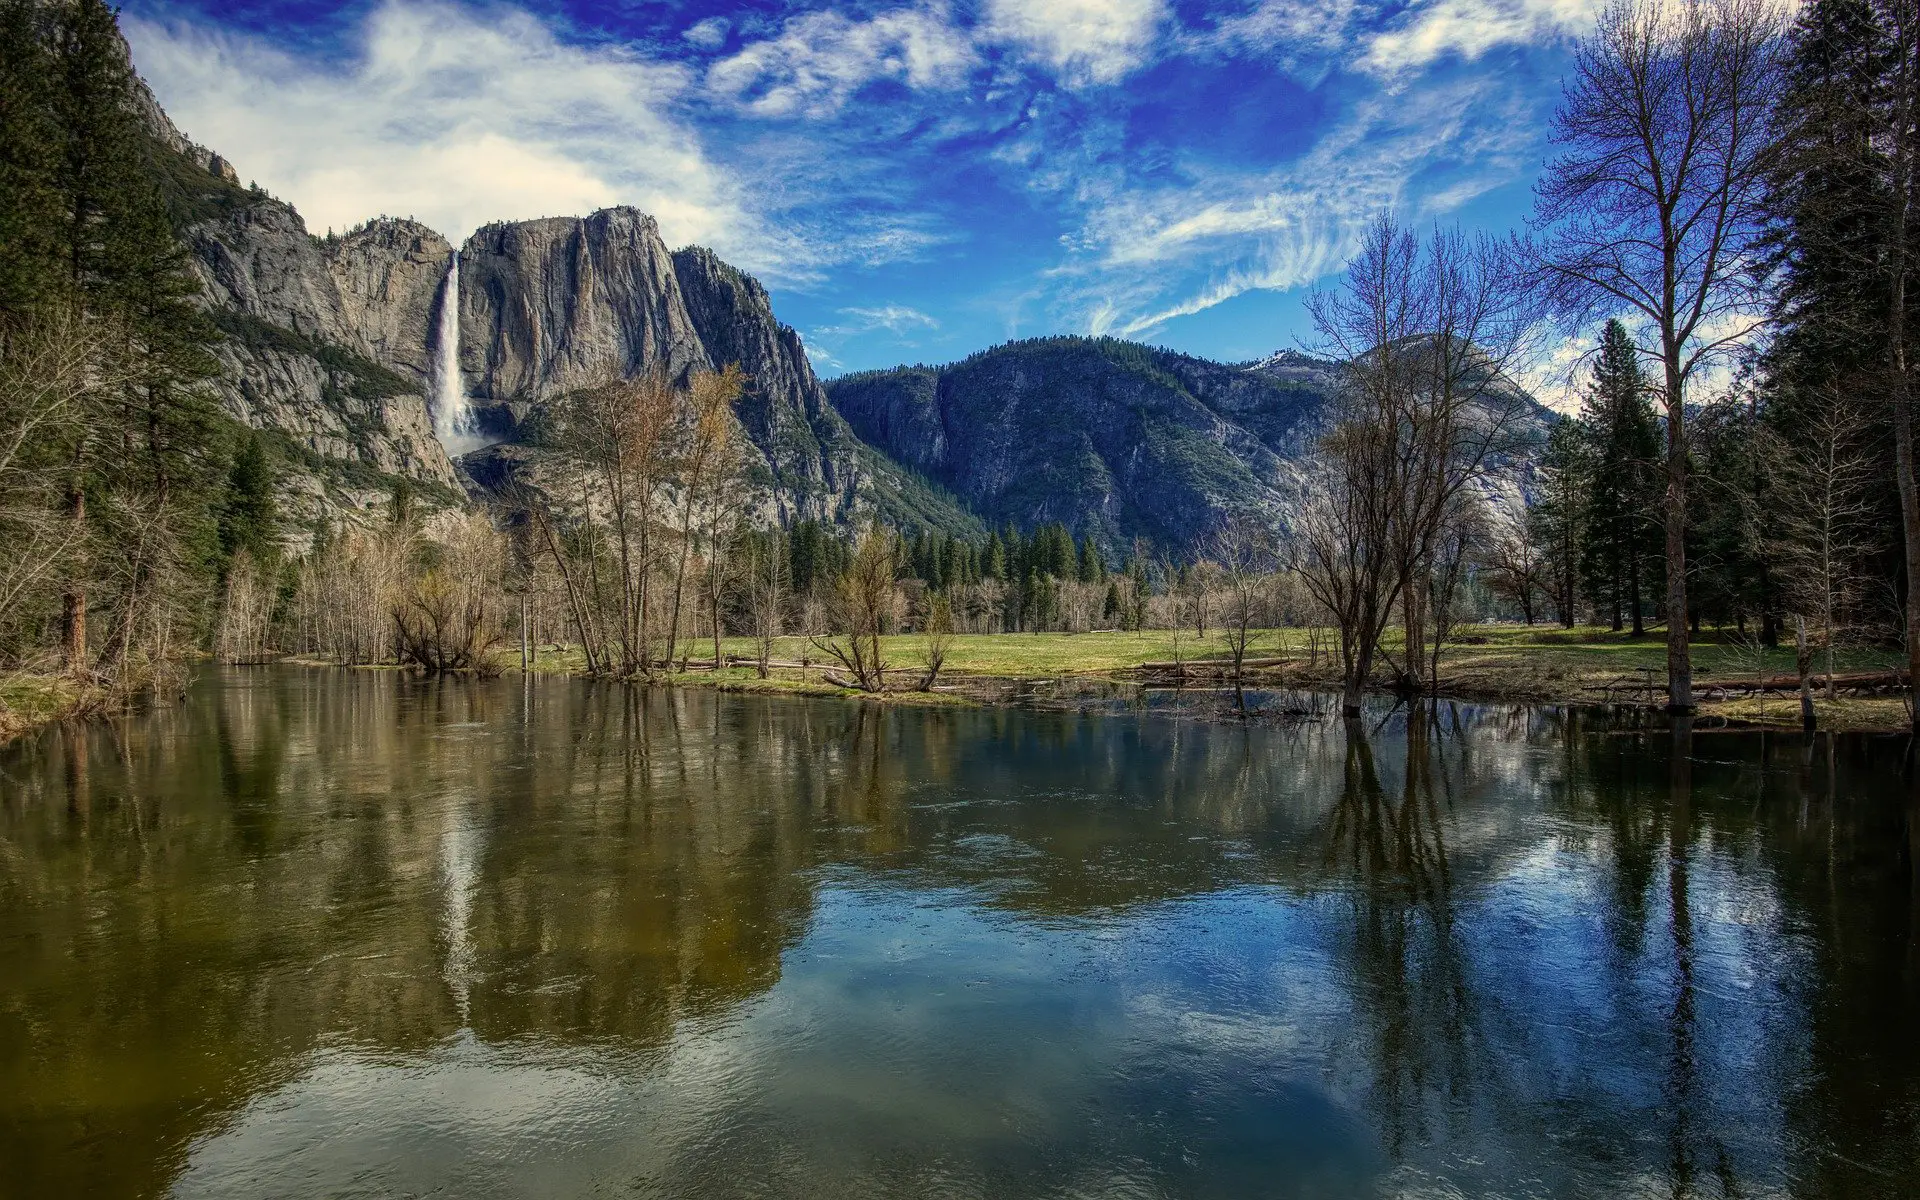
[
  {"x": 28, "y": 701},
  {"x": 1500, "y": 663},
  {"x": 1496, "y": 663}
]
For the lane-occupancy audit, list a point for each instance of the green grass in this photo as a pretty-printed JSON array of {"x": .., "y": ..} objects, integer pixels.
[
  {"x": 1540, "y": 663},
  {"x": 28, "y": 701}
]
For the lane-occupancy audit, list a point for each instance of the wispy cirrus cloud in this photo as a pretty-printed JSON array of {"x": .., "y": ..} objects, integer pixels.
[
  {"x": 819, "y": 60},
  {"x": 1470, "y": 28},
  {"x": 1287, "y": 227},
  {"x": 1083, "y": 41},
  {"x": 893, "y": 317}
]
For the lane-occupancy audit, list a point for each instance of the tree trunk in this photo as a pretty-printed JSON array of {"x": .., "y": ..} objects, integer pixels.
[
  {"x": 73, "y": 601},
  {"x": 1679, "y": 659},
  {"x": 1904, "y": 160},
  {"x": 1803, "y": 661},
  {"x": 1903, "y": 467},
  {"x": 1355, "y": 684}
]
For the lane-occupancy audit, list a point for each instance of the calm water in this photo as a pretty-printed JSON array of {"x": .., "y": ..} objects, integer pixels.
[{"x": 330, "y": 933}]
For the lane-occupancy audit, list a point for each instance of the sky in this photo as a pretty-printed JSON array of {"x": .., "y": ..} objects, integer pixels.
[{"x": 912, "y": 181}]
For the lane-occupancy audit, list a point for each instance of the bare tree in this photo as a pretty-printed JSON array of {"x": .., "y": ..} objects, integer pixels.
[
  {"x": 1655, "y": 206},
  {"x": 1462, "y": 532},
  {"x": 54, "y": 370},
  {"x": 244, "y": 629},
  {"x": 619, "y": 432},
  {"x": 766, "y": 597},
  {"x": 1822, "y": 481},
  {"x": 937, "y": 633},
  {"x": 861, "y": 608},
  {"x": 1242, "y": 567},
  {"x": 1515, "y": 566},
  {"x": 702, "y": 475},
  {"x": 450, "y": 616},
  {"x": 1425, "y": 408}
]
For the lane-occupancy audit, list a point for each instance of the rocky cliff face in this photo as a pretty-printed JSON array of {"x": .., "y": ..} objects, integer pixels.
[
  {"x": 551, "y": 306},
  {"x": 326, "y": 344},
  {"x": 389, "y": 274},
  {"x": 1115, "y": 439}
]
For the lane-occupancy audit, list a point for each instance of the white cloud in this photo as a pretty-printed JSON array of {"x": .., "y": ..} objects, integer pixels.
[
  {"x": 892, "y": 317},
  {"x": 818, "y": 61},
  {"x": 709, "y": 34},
  {"x": 1296, "y": 33},
  {"x": 1290, "y": 226},
  {"x": 1469, "y": 28},
  {"x": 457, "y": 118},
  {"x": 1085, "y": 41}
]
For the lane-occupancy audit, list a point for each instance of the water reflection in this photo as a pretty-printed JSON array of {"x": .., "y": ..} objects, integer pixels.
[{"x": 346, "y": 933}]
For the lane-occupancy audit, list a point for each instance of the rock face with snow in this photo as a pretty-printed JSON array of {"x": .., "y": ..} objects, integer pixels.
[{"x": 1115, "y": 439}]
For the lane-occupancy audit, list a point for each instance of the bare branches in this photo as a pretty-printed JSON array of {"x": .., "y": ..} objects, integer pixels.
[
  {"x": 1655, "y": 205},
  {"x": 861, "y": 610},
  {"x": 1430, "y": 331}
]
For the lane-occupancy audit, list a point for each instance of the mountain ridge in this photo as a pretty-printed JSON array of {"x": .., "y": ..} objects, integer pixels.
[{"x": 331, "y": 346}]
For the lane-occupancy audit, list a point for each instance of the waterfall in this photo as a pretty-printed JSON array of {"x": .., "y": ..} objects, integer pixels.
[{"x": 452, "y": 420}]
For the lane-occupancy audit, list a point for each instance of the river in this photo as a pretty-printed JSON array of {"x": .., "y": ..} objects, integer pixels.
[{"x": 350, "y": 933}]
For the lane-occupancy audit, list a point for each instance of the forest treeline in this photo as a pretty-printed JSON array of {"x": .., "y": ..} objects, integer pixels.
[
  {"x": 1728, "y": 214},
  {"x": 126, "y": 495}
]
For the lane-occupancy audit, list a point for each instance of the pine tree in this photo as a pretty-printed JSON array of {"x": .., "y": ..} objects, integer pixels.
[
  {"x": 1827, "y": 197},
  {"x": 30, "y": 260},
  {"x": 1092, "y": 569},
  {"x": 249, "y": 517},
  {"x": 1558, "y": 514},
  {"x": 1621, "y": 448}
]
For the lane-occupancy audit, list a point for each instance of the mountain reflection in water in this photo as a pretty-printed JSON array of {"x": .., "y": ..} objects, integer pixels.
[{"x": 349, "y": 933}]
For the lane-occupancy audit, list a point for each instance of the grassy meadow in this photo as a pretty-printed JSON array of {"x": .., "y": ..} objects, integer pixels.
[{"x": 1496, "y": 662}]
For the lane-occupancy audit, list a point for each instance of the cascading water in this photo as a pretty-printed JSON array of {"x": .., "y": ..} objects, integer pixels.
[{"x": 452, "y": 419}]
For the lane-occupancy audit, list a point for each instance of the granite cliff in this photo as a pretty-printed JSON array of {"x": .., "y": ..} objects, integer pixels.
[
  {"x": 1115, "y": 439},
  {"x": 331, "y": 347},
  {"x": 550, "y": 306}
]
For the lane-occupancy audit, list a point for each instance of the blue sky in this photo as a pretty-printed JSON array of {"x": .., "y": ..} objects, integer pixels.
[{"x": 913, "y": 181}]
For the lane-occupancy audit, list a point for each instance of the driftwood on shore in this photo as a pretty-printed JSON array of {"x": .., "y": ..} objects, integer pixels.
[{"x": 1857, "y": 683}]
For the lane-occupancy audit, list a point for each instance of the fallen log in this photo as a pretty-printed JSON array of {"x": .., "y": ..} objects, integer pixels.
[
  {"x": 1856, "y": 681},
  {"x": 1215, "y": 664}
]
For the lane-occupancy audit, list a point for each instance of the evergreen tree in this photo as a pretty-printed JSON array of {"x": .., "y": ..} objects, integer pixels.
[
  {"x": 1827, "y": 199},
  {"x": 1092, "y": 568},
  {"x": 249, "y": 518},
  {"x": 993, "y": 559},
  {"x": 30, "y": 260},
  {"x": 1558, "y": 515},
  {"x": 1620, "y": 559}
]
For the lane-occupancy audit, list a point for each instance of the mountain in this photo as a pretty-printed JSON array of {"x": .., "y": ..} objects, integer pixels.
[
  {"x": 324, "y": 338},
  {"x": 1115, "y": 439},
  {"x": 331, "y": 346},
  {"x": 551, "y": 306}
]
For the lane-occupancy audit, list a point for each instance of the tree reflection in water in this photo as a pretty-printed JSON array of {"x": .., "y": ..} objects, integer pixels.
[{"x": 547, "y": 937}]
